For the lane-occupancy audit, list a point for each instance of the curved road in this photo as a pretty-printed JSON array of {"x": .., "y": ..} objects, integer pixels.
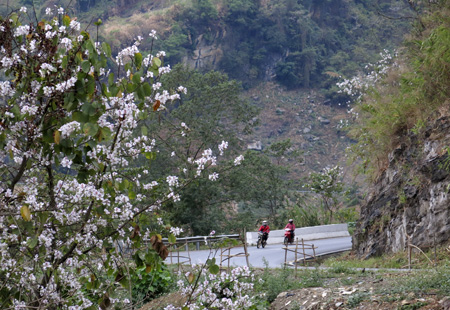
[{"x": 273, "y": 254}]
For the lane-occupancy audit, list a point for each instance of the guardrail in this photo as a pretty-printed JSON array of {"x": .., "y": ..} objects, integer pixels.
[
  {"x": 198, "y": 239},
  {"x": 305, "y": 233}
]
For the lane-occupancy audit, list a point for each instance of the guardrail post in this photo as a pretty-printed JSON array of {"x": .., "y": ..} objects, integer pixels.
[
  {"x": 304, "y": 254},
  {"x": 295, "y": 262},
  {"x": 409, "y": 252},
  {"x": 229, "y": 258},
  {"x": 285, "y": 255},
  {"x": 314, "y": 252}
]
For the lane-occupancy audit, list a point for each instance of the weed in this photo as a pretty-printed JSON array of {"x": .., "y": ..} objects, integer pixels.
[
  {"x": 274, "y": 281},
  {"x": 348, "y": 281},
  {"x": 438, "y": 280},
  {"x": 341, "y": 268},
  {"x": 354, "y": 300},
  {"x": 414, "y": 306}
]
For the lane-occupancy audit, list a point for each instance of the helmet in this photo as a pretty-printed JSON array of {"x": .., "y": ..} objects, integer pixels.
[
  {"x": 264, "y": 222},
  {"x": 291, "y": 220}
]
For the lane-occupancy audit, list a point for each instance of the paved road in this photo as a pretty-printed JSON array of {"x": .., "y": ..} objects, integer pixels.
[{"x": 273, "y": 254}]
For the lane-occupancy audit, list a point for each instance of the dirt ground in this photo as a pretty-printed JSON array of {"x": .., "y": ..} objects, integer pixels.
[{"x": 361, "y": 295}]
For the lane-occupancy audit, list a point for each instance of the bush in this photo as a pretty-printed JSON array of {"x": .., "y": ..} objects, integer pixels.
[{"x": 152, "y": 284}]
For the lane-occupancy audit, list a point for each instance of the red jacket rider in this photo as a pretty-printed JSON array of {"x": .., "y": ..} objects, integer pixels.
[
  {"x": 265, "y": 229},
  {"x": 291, "y": 226}
]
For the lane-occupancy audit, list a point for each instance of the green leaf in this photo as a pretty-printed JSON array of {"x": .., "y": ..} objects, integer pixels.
[
  {"x": 131, "y": 195},
  {"x": 88, "y": 109},
  {"x": 138, "y": 59},
  {"x": 124, "y": 282},
  {"x": 127, "y": 67},
  {"x": 130, "y": 87},
  {"x": 80, "y": 117},
  {"x": 90, "y": 129},
  {"x": 98, "y": 22},
  {"x": 214, "y": 269},
  {"x": 32, "y": 242},
  {"x": 66, "y": 20},
  {"x": 124, "y": 184},
  {"x": 140, "y": 93},
  {"x": 144, "y": 131},
  {"x": 137, "y": 78},
  {"x": 86, "y": 66},
  {"x": 111, "y": 79},
  {"x": 64, "y": 62},
  {"x": 156, "y": 61},
  {"x": 90, "y": 45},
  {"x": 150, "y": 155},
  {"x": 106, "y": 49},
  {"x": 90, "y": 86},
  {"x": 172, "y": 239},
  {"x": 147, "y": 89}
]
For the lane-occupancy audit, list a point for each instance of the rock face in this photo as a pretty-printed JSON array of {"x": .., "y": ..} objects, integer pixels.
[
  {"x": 206, "y": 54},
  {"x": 411, "y": 198}
]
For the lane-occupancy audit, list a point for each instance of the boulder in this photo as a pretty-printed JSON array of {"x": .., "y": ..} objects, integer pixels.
[{"x": 257, "y": 146}]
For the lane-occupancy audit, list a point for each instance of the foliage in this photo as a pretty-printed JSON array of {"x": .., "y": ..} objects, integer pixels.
[
  {"x": 76, "y": 168},
  {"x": 298, "y": 41},
  {"x": 327, "y": 184},
  {"x": 211, "y": 117},
  {"x": 411, "y": 93},
  {"x": 149, "y": 285},
  {"x": 420, "y": 282},
  {"x": 354, "y": 300},
  {"x": 262, "y": 184},
  {"x": 274, "y": 281}
]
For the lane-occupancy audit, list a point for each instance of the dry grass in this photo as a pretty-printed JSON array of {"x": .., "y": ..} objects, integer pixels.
[{"x": 122, "y": 32}]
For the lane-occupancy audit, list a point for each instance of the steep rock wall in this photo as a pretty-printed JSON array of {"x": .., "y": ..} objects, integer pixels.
[{"x": 411, "y": 197}]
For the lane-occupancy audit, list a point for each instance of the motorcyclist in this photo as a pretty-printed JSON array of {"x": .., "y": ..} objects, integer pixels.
[
  {"x": 265, "y": 229},
  {"x": 291, "y": 226}
]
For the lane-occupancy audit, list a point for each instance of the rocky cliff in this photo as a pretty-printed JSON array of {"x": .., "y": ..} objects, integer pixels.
[{"x": 411, "y": 197}]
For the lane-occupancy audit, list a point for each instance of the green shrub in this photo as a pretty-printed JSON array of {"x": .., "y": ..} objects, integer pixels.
[{"x": 150, "y": 285}]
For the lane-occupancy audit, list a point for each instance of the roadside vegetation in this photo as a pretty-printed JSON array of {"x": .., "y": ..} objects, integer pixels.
[
  {"x": 413, "y": 91},
  {"x": 343, "y": 280}
]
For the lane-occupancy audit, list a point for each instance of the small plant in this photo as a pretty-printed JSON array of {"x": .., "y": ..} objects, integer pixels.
[
  {"x": 348, "y": 281},
  {"x": 341, "y": 268},
  {"x": 414, "y": 306},
  {"x": 355, "y": 300}
]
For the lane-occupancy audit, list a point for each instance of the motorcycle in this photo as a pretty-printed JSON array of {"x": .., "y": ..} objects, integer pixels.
[
  {"x": 288, "y": 236},
  {"x": 261, "y": 240}
]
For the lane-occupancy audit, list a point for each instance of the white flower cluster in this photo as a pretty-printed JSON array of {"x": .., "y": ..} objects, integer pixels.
[
  {"x": 227, "y": 291},
  {"x": 359, "y": 84},
  {"x": 69, "y": 128}
]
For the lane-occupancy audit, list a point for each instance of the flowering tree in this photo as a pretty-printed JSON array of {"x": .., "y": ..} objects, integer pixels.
[
  {"x": 75, "y": 160},
  {"x": 327, "y": 184}
]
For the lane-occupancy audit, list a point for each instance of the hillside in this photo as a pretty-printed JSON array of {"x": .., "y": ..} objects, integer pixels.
[
  {"x": 403, "y": 132},
  {"x": 287, "y": 54}
]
